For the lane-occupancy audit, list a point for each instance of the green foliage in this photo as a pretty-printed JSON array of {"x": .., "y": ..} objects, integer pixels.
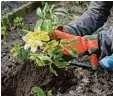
[
  {"x": 7, "y": 25},
  {"x": 51, "y": 59},
  {"x": 20, "y": 53},
  {"x": 72, "y": 52},
  {"x": 23, "y": 55},
  {"x": 3, "y": 30},
  {"x": 51, "y": 51},
  {"x": 18, "y": 22},
  {"x": 4, "y": 25},
  {"x": 39, "y": 92},
  {"x": 48, "y": 17},
  {"x": 64, "y": 43}
]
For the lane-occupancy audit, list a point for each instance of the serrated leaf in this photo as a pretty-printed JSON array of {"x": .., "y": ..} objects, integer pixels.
[
  {"x": 58, "y": 56},
  {"x": 38, "y": 24},
  {"x": 73, "y": 52},
  {"x": 23, "y": 55},
  {"x": 72, "y": 42},
  {"x": 45, "y": 9},
  {"x": 63, "y": 42},
  {"x": 47, "y": 26},
  {"x": 58, "y": 53},
  {"x": 52, "y": 7},
  {"x": 45, "y": 58},
  {"x": 52, "y": 70},
  {"x": 39, "y": 62},
  {"x": 61, "y": 64},
  {"x": 52, "y": 43},
  {"x": 39, "y": 13},
  {"x": 38, "y": 91}
]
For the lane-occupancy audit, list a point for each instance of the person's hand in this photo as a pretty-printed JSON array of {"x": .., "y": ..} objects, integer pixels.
[
  {"x": 83, "y": 44},
  {"x": 53, "y": 35}
]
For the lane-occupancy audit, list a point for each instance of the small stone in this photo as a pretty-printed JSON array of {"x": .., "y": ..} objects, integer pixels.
[
  {"x": 71, "y": 92},
  {"x": 6, "y": 69},
  {"x": 9, "y": 66}
]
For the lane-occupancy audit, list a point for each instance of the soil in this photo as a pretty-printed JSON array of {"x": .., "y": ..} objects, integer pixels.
[
  {"x": 18, "y": 79},
  {"x": 7, "y": 6}
]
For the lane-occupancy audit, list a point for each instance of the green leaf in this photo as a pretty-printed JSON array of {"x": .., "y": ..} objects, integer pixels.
[
  {"x": 45, "y": 9},
  {"x": 73, "y": 52},
  {"x": 47, "y": 26},
  {"x": 38, "y": 91},
  {"x": 23, "y": 55},
  {"x": 58, "y": 53},
  {"x": 38, "y": 24},
  {"x": 52, "y": 43},
  {"x": 45, "y": 58},
  {"x": 64, "y": 43},
  {"x": 49, "y": 93},
  {"x": 72, "y": 42},
  {"x": 52, "y": 7},
  {"x": 60, "y": 10},
  {"x": 58, "y": 56},
  {"x": 61, "y": 64},
  {"x": 59, "y": 13},
  {"x": 52, "y": 70},
  {"x": 39, "y": 13},
  {"x": 39, "y": 62}
]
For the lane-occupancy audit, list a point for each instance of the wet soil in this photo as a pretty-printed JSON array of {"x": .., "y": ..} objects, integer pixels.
[
  {"x": 18, "y": 79},
  {"x": 7, "y": 6}
]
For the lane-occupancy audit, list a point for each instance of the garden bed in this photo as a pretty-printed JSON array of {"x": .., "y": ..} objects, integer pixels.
[{"x": 18, "y": 79}]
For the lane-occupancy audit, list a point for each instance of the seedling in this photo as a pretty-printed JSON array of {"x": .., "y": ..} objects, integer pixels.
[
  {"x": 3, "y": 30},
  {"x": 39, "y": 92},
  {"x": 18, "y": 22},
  {"x": 4, "y": 27},
  {"x": 19, "y": 53}
]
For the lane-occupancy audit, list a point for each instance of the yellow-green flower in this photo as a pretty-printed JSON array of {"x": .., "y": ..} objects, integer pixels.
[{"x": 35, "y": 39}]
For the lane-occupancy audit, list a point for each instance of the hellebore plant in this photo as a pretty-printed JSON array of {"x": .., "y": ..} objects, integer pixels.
[
  {"x": 50, "y": 52},
  {"x": 35, "y": 39}
]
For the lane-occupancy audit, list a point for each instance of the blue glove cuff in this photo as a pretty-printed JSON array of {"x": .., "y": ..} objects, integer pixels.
[{"x": 107, "y": 62}]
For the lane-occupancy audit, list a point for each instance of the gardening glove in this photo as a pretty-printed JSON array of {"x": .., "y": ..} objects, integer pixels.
[
  {"x": 83, "y": 44},
  {"x": 107, "y": 62}
]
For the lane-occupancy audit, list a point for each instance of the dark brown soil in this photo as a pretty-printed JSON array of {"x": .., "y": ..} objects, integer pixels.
[
  {"x": 7, "y": 6},
  {"x": 18, "y": 79}
]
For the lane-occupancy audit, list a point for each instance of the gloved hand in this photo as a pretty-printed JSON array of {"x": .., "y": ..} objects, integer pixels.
[
  {"x": 107, "y": 62},
  {"x": 83, "y": 44}
]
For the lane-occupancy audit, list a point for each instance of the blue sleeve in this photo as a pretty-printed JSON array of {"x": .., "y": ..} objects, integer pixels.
[{"x": 105, "y": 40}]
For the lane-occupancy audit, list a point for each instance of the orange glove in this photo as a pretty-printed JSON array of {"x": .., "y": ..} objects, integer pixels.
[{"x": 82, "y": 45}]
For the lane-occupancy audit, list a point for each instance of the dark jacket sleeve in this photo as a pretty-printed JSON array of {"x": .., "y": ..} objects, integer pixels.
[
  {"x": 91, "y": 20},
  {"x": 105, "y": 40}
]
